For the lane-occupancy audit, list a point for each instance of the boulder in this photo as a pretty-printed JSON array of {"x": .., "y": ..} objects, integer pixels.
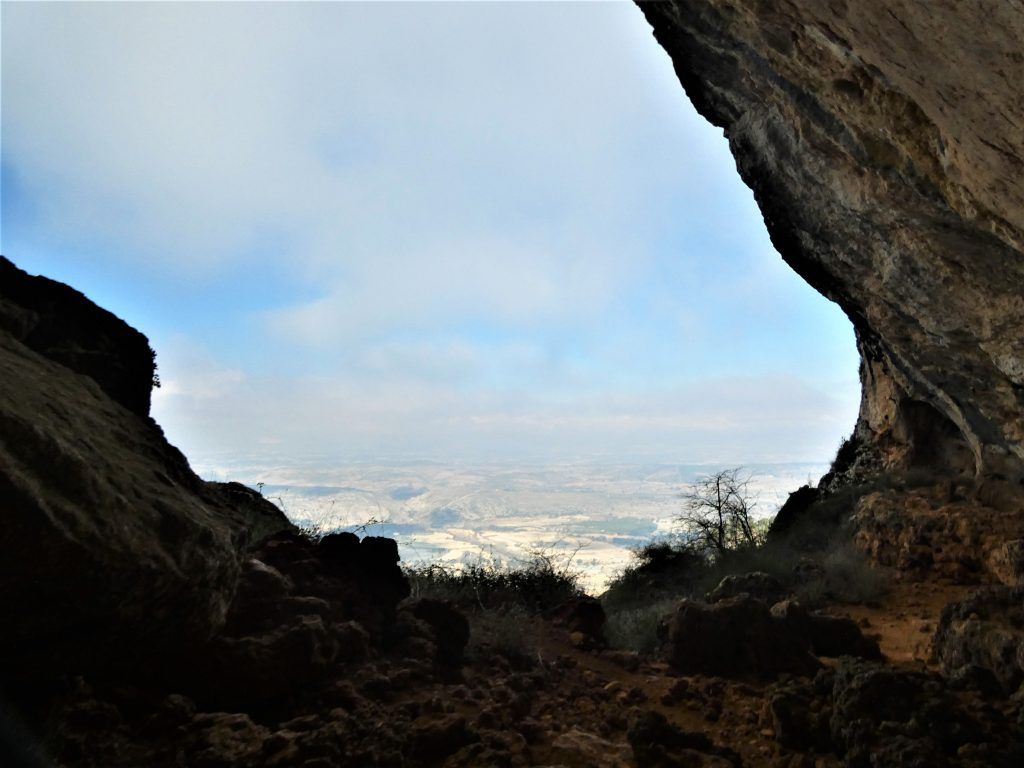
[
  {"x": 583, "y": 616},
  {"x": 1006, "y": 562},
  {"x": 433, "y": 739},
  {"x": 577, "y": 748},
  {"x": 737, "y": 637},
  {"x": 985, "y": 630},
  {"x": 449, "y": 627},
  {"x": 302, "y": 611},
  {"x": 892, "y": 717},
  {"x": 831, "y": 636},
  {"x": 870, "y": 714}
]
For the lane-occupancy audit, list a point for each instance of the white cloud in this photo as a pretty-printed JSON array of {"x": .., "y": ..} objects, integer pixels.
[
  {"x": 185, "y": 137},
  {"x": 406, "y": 400},
  {"x": 412, "y": 171}
]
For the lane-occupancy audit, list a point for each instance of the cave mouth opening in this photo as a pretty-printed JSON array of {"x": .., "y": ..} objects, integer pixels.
[{"x": 443, "y": 250}]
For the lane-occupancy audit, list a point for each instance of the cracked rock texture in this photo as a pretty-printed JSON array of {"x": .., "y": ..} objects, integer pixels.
[{"x": 884, "y": 142}]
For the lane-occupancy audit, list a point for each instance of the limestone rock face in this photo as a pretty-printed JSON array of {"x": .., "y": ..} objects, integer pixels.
[
  {"x": 110, "y": 547},
  {"x": 884, "y": 142}
]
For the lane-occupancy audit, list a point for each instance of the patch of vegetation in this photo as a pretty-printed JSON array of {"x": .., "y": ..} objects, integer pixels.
[
  {"x": 815, "y": 559},
  {"x": 538, "y": 584},
  {"x": 845, "y": 576},
  {"x": 507, "y": 632},
  {"x": 717, "y": 517},
  {"x": 501, "y": 600},
  {"x": 660, "y": 571},
  {"x": 636, "y": 629}
]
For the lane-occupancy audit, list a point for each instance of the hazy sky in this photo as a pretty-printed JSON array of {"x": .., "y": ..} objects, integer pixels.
[{"x": 413, "y": 230}]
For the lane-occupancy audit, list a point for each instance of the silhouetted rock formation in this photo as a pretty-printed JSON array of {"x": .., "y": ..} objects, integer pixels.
[
  {"x": 61, "y": 324},
  {"x": 740, "y": 636},
  {"x": 737, "y": 637},
  {"x": 884, "y": 142},
  {"x": 111, "y": 548}
]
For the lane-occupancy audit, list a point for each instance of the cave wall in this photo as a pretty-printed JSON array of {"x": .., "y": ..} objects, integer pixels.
[
  {"x": 111, "y": 549},
  {"x": 884, "y": 143}
]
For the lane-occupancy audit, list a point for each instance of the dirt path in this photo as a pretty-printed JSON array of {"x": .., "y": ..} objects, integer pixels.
[{"x": 732, "y": 713}]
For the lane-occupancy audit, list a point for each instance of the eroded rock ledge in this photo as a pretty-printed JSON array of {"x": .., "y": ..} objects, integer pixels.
[{"x": 884, "y": 142}]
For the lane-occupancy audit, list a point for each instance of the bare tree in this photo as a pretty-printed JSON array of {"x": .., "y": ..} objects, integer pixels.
[{"x": 716, "y": 516}]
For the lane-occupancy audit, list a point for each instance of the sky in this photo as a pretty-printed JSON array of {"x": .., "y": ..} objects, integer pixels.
[{"x": 446, "y": 231}]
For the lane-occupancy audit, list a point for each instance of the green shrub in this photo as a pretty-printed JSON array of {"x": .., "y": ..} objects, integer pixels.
[
  {"x": 507, "y": 632},
  {"x": 537, "y": 585},
  {"x": 659, "y": 571},
  {"x": 663, "y": 572},
  {"x": 636, "y": 629},
  {"x": 845, "y": 576}
]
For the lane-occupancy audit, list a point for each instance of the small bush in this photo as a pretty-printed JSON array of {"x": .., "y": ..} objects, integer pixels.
[
  {"x": 663, "y": 573},
  {"x": 845, "y": 576},
  {"x": 537, "y": 585},
  {"x": 506, "y": 632},
  {"x": 660, "y": 570},
  {"x": 636, "y": 629},
  {"x": 312, "y": 532}
]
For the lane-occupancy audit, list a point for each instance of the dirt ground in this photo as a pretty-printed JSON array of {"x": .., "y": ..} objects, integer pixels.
[{"x": 733, "y": 713}]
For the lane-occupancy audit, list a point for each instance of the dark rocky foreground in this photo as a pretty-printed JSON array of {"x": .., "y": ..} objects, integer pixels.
[{"x": 150, "y": 618}]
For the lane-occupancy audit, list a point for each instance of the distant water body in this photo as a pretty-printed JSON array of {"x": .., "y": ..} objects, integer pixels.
[{"x": 593, "y": 513}]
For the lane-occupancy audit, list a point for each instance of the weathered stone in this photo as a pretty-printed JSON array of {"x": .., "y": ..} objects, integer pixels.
[
  {"x": 826, "y": 635},
  {"x": 883, "y": 143},
  {"x": 583, "y": 615},
  {"x": 924, "y": 533},
  {"x": 272, "y": 663},
  {"x": 61, "y": 324},
  {"x": 449, "y": 627},
  {"x": 224, "y": 740},
  {"x": 577, "y": 748},
  {"x": 873, "y": 715},
  {"x": 985, "y": 630},
  {"x": 433, "y": 739},
  {"x": 799, "y": 719},
  {"x": 1006, "y": 562},
  {"x": 735, "y": 638},
  {"x": 886, "y": 716}
]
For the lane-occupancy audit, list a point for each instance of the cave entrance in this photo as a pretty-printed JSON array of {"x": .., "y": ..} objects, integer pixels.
[{"x": 363, "y": 237}]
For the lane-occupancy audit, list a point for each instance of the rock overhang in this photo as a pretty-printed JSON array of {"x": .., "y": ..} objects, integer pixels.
[{"x": 884, "y": 143}]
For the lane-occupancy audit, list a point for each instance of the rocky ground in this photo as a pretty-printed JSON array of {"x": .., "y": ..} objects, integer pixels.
[{"x": 325, "y": 661}]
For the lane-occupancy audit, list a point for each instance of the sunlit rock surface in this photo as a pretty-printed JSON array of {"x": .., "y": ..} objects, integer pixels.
[{"x": 884, "y": 142}]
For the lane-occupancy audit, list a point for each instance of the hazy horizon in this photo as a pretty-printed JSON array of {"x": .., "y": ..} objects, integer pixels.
[{"x": 596, "y": 513}]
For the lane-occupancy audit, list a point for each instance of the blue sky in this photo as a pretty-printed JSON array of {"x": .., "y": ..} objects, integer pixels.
[{"x": 429, "y": 230}]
